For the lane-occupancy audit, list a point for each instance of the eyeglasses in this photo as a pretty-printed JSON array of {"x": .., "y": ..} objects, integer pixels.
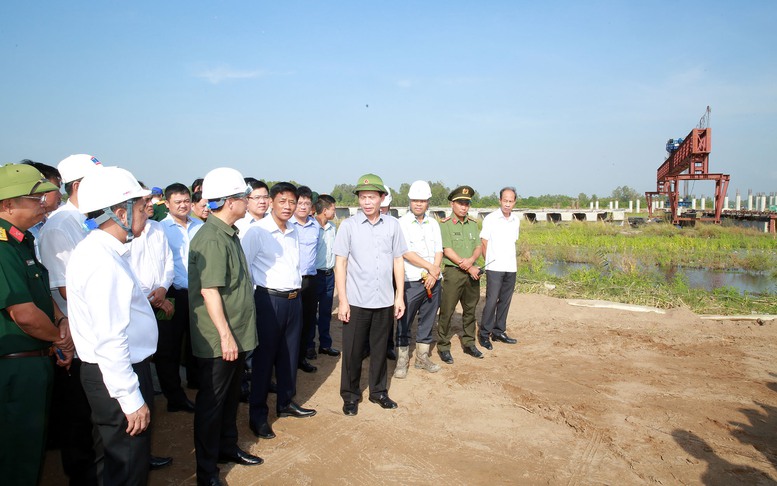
[
  {"x": 41, "y": 199},
  {"x": 254, "y": 198}
]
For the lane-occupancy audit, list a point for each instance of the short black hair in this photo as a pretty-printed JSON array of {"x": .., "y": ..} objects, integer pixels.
[
  {"x": 255, "y": 184},
  {"x": 197, "y": 183},
  {"x": 48, "y": 171},
  {"x": 282, "y": 187},
  {"x": 176, "y": 188},
  {"x": 250, "y": 180},
  {"x": 304, "y": 191},
  {"x": 196, "y": 197},
  {"x": 508, "y": 188},
  {"x": 324, "y": 201}
]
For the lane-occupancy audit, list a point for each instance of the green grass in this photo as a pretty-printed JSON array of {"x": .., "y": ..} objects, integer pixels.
[{"x": 622, "y": 264}]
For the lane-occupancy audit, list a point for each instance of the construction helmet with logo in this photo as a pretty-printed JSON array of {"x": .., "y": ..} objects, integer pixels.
[
  {"x": 222, "y": 183},
  {"x": 102, "y": 189},
  {"x": 420, "y": 190},
  {"x": 76, "y": 167},
  {"x": 386, "y": 200}
]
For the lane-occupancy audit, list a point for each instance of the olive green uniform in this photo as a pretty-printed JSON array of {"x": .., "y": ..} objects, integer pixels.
[
  {"x": 216, "y": 260},
  {"x": 457, "y": 286},
  {"x": 25, "y": 382}
]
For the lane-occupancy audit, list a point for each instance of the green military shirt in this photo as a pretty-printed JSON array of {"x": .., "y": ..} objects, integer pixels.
[
  {"x": 461, "y": 236},
  {"x": 216, "y": 260},
  {"x": 22, "y": 279}
]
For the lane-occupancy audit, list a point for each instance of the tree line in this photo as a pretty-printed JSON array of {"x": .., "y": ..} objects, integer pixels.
[{"x": 343, "y": 194}]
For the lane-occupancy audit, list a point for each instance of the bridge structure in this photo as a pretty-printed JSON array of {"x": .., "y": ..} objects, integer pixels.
[{"x": 688, "y": 162}]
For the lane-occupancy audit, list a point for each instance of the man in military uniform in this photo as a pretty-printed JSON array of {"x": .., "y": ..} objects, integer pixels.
[
  {"x": 28, "y": 326},
  {"x": 461, "y": 249}
]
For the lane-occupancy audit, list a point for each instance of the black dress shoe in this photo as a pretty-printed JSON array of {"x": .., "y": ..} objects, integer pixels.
[
  {"x": 311, "y": 354},
  {"x": 263, "y": 431},
  {"x": 486, "y": 343},
  {"x": 241, "y": 457},
  {"x": 185, "y": 406},
  {"x": 329, "y": 351},
  {"x": 503, "y": 337},
  {"x": 294, "y": 410},
  {"x": 306, "y": 367},
  {"x": 157, "y": 462},
  {"x": 351, "y": 408},
  {"x": 473, "y": 351},
  {"x": 391, "y": 354},
  {"x": 384, "y": 401},
  {"x": 446, "y": 357}
]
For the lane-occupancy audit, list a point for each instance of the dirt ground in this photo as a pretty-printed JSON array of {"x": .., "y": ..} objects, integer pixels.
[{"x": 587, "y": 396}]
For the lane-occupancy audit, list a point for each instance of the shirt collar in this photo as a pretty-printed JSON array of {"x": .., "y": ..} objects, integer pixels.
[
  {"x": 11, "y": 232},
  {"x": 361, "y": 218},
  {"x": 230, "y": 230},
  {"x": 110, "y": 241}
]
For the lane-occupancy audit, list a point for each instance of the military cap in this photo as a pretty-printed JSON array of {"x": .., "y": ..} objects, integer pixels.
[
  {"x": 461, "y": 192},
  {"x": 22, "y": 180},
  {"x": 370, "y": 182}
]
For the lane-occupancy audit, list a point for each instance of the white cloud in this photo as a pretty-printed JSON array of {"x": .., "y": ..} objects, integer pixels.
[{"x": 225, "y": 73}]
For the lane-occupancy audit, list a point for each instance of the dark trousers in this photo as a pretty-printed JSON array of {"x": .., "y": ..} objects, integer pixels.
[
  {"x": 71, "y": 427},
  {"x": 25, "y": 396},
  {"x": 325, "y": 291},
  {"x": 372, "y": 325},
  {"x": 167, "y": 358},
  {"x": 278, "y": 323},
  {"x": 457, "y": 286},
  {"x": 500, "y": 287},
  {"x": 215, "y": 413},
  {"x": 309, "y": 304},
  {"x": 125, "y": 456},
  {"x": 418, "y": 302}
]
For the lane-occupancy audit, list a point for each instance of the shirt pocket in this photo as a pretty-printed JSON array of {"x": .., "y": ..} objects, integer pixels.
[{"x": 385, "y": 244}]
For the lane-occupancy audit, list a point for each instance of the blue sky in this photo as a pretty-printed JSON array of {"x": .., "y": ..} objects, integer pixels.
[{"x": 552, "y": 97}]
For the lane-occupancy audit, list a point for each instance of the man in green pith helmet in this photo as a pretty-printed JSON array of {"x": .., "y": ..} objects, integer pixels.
[{"x": 28, "y": 327}]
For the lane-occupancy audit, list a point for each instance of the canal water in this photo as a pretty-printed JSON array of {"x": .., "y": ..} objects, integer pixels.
[{"x": 743, "y": 281}]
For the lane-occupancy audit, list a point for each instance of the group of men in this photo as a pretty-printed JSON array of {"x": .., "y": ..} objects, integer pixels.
[{"x": 110, "y": 290}]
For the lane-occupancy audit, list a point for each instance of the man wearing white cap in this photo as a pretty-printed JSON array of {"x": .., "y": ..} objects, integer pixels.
[
  {"x": 223, "y": 324},
  {"x": 113, "y": 324},
  {"x": 71, "y": 417}
]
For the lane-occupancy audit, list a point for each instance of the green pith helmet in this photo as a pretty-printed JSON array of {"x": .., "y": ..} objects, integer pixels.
[
  {"x": 370, "y": 182},
  {"x": 22, "y": 180}
]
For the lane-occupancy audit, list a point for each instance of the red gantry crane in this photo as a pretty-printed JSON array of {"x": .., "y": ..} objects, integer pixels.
[{"x": 688, "y": 161}]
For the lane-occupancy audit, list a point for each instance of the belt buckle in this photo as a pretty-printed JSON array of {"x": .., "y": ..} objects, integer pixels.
[{"x": 293, "y": 295}]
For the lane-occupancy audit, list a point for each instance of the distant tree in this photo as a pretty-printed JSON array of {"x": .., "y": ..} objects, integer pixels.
[
  {"x": 400, "y": 199},
  {"x": 624, "y": 194},
  {"x": 343, "y": 194},
  {"x": 582, "y": 200},
  {"x": 490, "y": 201},
  {"x": 439, "y": 194}
]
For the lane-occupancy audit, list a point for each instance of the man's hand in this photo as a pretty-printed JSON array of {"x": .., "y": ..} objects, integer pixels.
[
  {"x": 167, "y": 307},
  {"x": 65, "y": 342},
  {"x": 429, "y": 282},
  {"x": 466, "y": 264},
  {"x": 68, "y": 358},
  {"x": 157, "y": 297},
  {"x": 434, "y": 271},
  {"x": 474, "y": 272},
  {"x": 344, "y": 311},
  {"x": 399, "y": 307},
  {"x": 228, "y": 347},
  {"x": 139, "y": 420}
]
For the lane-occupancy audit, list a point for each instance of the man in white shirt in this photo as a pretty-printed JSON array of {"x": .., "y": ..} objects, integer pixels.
[
  {"x": 272, "y": 251},
  {"x": 179, "y": 228},
  {"x": 422, "y": 276},
  {"x": 71, "y": 415},
  {"x": 113, "y": 324},
  {"x": 498, "y": 237}
]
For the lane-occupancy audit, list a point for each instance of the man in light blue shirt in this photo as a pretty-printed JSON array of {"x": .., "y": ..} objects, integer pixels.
[
  {"x": 325, "y": 275},
  {"x": 369, "y": 249},
  {"x": 179, "y": 228}
]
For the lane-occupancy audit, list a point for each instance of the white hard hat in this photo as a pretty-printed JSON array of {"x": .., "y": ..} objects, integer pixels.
[
  {"x": 419, "y": 190},
  {"x": 223, "y": 182},
  {"x": 76, "y": 167},
  {"x": 104, "y": 188},
  {"x": 386, "y": 200}
]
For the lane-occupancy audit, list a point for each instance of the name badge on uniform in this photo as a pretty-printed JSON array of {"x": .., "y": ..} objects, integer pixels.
[
  {"x": 3, "y": 235},
  {"x": 30, "y": 263}
]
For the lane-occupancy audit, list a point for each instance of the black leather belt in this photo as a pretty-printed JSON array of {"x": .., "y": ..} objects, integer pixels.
[
  {"x": 308, "y": 276},
  {"x": 325, "y": 272},
  {"x": 288, "y": 294},
  {"x": 27, "y": 354}
]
